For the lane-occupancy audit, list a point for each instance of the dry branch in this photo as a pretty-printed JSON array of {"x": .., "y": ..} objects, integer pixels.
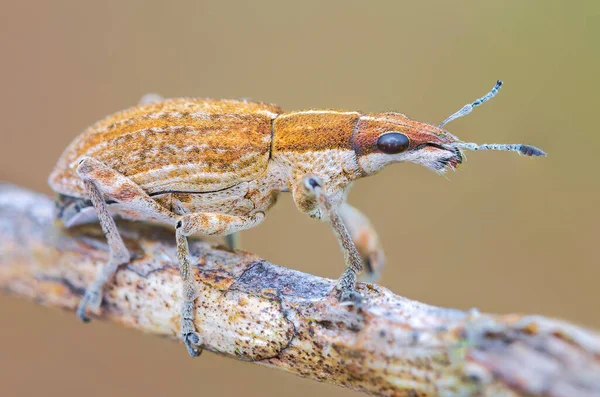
[{"x": 252, "y": 310}]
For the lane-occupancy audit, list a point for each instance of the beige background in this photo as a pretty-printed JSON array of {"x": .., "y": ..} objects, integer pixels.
[{"x": 504, "y": 233}]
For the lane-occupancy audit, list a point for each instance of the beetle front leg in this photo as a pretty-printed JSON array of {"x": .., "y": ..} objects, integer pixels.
[{"x": 346, "y": 285}]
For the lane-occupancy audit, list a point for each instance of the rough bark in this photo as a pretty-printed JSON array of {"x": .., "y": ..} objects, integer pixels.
[{"x": 253, "y": 310}]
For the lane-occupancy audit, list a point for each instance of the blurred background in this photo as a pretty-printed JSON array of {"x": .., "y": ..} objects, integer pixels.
[{"x": 504, "y": 234}]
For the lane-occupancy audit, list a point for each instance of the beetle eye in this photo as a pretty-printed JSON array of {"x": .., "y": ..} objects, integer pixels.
[{"x": 392, "y": 143}]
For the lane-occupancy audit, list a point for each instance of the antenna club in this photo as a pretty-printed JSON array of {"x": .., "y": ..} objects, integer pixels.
[{"x": 528, "y": 150}]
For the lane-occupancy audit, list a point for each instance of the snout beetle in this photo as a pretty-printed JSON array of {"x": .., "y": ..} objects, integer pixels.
[{"x": 215, "y": 167}]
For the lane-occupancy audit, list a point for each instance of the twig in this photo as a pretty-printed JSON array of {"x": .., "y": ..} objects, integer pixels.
[{"x": 252, "y": 310}]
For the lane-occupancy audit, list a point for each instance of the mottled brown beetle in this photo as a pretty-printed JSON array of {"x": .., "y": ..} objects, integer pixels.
[{"x": 214, "y": 167}]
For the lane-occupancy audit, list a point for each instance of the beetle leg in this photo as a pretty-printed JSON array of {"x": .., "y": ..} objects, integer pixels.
[
  {"x": 208, "y": 224},
  {"x": 104, "y": 179},
  {"x": 118, "y": 254},
  {"x": 366, "y": 240},
  {"x": 150, "y": 97},
  {"x": 346, "y": 285},
  {"x": 125, "y": 191},
  {"x": 101, "y": 180},
  {"x": 189, "y": 291},
  {"x": 233, "y": 241},
  {"x": 122, "y": 189}
]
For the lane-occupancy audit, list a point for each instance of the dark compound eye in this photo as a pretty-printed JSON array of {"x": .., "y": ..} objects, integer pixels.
[{"x": 392, "y": 143}]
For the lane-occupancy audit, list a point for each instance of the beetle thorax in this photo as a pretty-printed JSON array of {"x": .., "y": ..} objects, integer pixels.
[{"x": 317, "y": 142}]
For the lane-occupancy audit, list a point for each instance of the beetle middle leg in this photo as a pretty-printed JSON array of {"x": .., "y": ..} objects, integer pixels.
[
  {"x": 149, "y": 98},
  {"x": 346, "y": 284},
  {"x": 208, "y": 224},
  {"x": 366, "y": 240},
  {"x": 233, "y": 241}
]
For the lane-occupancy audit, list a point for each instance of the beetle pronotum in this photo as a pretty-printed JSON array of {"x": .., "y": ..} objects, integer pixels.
[{"x": 215, "y": 167}]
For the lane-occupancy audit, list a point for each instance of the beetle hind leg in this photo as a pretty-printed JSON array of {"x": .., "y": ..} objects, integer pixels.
[{"x": 118, "y": 254}]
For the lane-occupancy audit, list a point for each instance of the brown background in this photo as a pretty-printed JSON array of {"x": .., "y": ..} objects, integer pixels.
[{"x": 504, "y": 233}]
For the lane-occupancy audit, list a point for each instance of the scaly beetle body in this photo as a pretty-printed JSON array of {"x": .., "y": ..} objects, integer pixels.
[
  {"x": 232, "y": 157},
  {"x": 215, "y": 167}
]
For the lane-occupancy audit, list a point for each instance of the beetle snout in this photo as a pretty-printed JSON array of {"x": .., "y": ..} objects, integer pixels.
[
  {"x": 436, "y": 151},
  {"x": 440, "y": 157},
  {"x": 453, "y": 161}
]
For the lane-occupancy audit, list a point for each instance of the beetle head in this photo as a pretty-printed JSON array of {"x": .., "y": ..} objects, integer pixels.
[{"x": 385, "y": 138}]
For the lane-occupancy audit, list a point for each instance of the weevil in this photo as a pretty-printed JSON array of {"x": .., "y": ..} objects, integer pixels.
[{"x": 215, "y": 167}]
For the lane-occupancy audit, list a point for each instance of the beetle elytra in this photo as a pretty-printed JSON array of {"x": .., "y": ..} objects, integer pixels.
[{"x": 215, "y": 167}]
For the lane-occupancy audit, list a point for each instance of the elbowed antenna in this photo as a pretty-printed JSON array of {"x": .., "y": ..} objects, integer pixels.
[
  {"x": 468, "y": 108},
  {"x": 527, "y": 150}
]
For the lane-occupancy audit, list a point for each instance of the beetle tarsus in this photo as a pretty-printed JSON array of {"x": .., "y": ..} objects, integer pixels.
[
  {"x": 352, "y": 298},
  {"x": 81, "y": 311},
  {"x": 191, "y": 339},
  {"x": 192, "y": 351},
  {"x": 346, "y": 290},
  {"x": 90, "y": 298}
]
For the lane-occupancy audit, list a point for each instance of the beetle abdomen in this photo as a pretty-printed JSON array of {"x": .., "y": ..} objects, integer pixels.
[{"x": 188, "y": 145}]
